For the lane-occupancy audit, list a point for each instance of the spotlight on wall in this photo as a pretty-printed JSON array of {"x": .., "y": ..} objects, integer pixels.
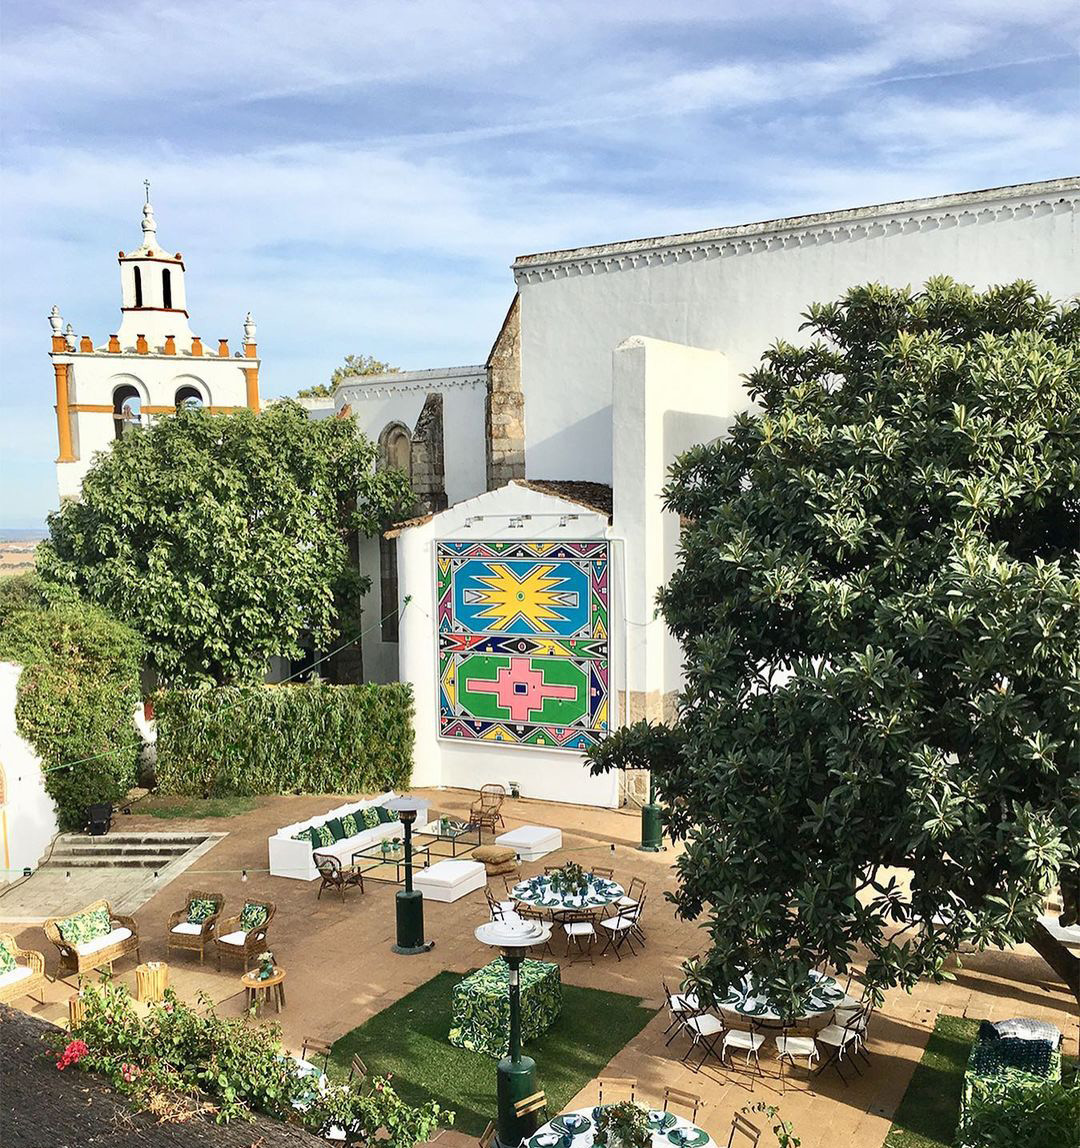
[{"x": 516, "y": 523}]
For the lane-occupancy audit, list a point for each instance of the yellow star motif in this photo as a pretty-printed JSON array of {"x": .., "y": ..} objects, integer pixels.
[{"x": 534, "y": 597}]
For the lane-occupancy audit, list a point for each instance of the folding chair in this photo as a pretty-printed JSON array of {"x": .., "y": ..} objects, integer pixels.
[
  {"x": 749, "y": 1134},
  {"x": 705, "y": 1030},
  {"x": 615, "y": 1084},
  {"x": 579, "y": 928},
  {"x": 744, "y": 1041},
  {"x": 840, "y": 1039},
  {"x": 357, "y": 1069},
  {"x": 619, "y": 931},
  {"x": 487, "y": 1136},
  {"x": 686, "y": 1100},
  {"x": 792, "y": 1043},
  {"x": 680, "y": 1006},
  {"x": 317, "y": 1047},
  {"x": 602, "y": 871}
]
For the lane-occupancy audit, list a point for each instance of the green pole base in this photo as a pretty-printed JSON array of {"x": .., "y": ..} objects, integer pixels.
[
  {"x": 652, "y": 832},
  {"x": 410, "y": 923},
  {"x": 516, "y": 1080}
]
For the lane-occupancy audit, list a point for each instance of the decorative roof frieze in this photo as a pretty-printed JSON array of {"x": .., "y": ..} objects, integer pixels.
[{"x": 882, "y": 221}]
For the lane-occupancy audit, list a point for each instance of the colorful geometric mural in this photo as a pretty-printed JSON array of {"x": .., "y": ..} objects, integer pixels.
[{"x": 523, "y": 642}]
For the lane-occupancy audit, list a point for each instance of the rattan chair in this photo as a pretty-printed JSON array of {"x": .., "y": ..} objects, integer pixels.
[
  {"x": 72, "y": 961},
  {"x": 21, "y": 985},
  {"x": 487, "y": 811},
  {"x": 254, "y": 940},
  {"x": 335, "y": 877},
  {"x": 185, "y": 938}
]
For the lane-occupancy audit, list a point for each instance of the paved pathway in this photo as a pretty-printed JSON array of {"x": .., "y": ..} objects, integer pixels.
[{"x": 341, "y": 972}]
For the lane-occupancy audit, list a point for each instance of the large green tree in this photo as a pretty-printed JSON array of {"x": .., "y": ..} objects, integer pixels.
[
  {"x": 222, "y": 539},
  {"x": 878, "y": 598}
]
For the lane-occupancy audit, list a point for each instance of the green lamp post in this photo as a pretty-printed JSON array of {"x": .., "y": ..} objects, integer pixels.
[
  {"x": 652, "y": 831},
  {"x": 516, "y": 1074},
  {"x": 409, "y": 901}
]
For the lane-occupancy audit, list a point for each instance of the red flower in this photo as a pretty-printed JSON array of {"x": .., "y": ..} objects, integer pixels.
[{"x": 72, "y": 1054}]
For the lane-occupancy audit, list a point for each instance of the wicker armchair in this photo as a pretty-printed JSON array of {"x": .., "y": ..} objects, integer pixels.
[
  {"x": 254, "y": 941},
  {"x": 487, "y": 811},
  {"x": 26, "y": 959},
  {"x": 335, "y": 877},
  {"x": 186, "y": 939},
  {"x": 72, "y": 961}
]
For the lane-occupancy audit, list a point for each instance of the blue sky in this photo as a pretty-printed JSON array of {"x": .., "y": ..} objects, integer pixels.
[{"x": 361, "y": 175}]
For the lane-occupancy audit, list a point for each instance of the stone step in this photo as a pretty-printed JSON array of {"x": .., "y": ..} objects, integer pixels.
[
  {"x": 108, "y": 862},
  {"x": 109, "y": 840},
  {"x": 122, "y": 850}
]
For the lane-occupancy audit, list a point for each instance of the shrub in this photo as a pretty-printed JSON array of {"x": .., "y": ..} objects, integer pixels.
[
  {"x": 77, "y": 694},
  {"x": 170, "y": 1061},
  {"x": 242, "y": 740},
  {"x": 1014, "y": 1110}
]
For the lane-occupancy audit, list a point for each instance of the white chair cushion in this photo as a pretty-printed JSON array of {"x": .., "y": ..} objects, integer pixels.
[
  {"x": 237, "y": 938},
  {"x": 836, "y": 1035},
  {"x": 796, "y": 1046},
  {"x": 618, "y": 923},
  {"x": 579, "y": 929},
  {"x": 19, "y": 973},
  {"x": 85, "y": 948},
  {"x": 746, "y": 1040},
  {"x": 705, "y": 1025},
  {"x": 187, "y": 927},
  {"x": 627, "y": 902},
  {"x": 684, "y": 1002}
]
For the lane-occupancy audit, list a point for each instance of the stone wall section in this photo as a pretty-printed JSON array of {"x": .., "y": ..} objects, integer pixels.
[
  {"x": 504, "y": 407},
  {"x": 427, "y": 455}
]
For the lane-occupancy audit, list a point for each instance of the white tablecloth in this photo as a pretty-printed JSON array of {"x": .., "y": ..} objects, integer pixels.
[
  {"x": 585, "y": 1139},
  {"x": 827, "y": 997},
  {"x": 600, "y": 896}
]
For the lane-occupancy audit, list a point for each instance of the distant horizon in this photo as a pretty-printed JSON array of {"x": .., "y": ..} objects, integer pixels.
[{"x": 22, "y": 533}]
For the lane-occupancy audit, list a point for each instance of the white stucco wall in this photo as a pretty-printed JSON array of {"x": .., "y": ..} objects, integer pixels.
[
  {"x": 94, "y": 376},
  {"x": 27, "y": 813},
  {"x": 557, "y": 775},
  {"x": 667, "y": 397},
  {"x": 739, "y": 289},
  {"x": 377, "y": 401}
]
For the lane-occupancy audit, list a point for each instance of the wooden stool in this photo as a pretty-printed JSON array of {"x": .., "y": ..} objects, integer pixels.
[
  {"x": 272, "y": 987},
  {"x": 151, "y": 981}
]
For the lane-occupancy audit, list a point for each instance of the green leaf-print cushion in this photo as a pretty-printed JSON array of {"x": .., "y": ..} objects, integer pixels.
[
  {"x": 348, "y": 823},
  {"x": 252, "y": 916},
  {"x": 369, "y": 817},
  {"x": 336, "y": 827},
  {"x": 322, "y": 836},
  {"x": 199, "y": 908},
  {"x": 307, "y": 835},
  {"x": 86, "y": 926},
  {"x": 7, "y": 959}
]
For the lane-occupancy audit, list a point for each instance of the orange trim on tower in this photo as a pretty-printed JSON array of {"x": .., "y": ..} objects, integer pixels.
[
  {"x": 86, "y": 344},
  {"x": 114, "y": 344},
  {"x": 59, "y": 344},
  {"x": 251, "y": 375},
  {"x": 223, "y": 348},
  {"x": 251, "y": 351},
  {"x": 141, "y": 345},
  {"x": 63, "y": 414},
  {"x": 196, "y": 345},
  {"x": 170, "y": 345}
]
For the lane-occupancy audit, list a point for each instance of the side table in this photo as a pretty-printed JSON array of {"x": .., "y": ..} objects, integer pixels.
[
  {"x": 273, "y": 987},
  {"x": 151, "y": 981}
]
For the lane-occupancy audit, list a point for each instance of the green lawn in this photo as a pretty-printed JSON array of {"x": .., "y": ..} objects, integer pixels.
[
  {"x": 409, "y": 1040},
  {"x": 191, "y": 808},
  {"x": 928, "y": 1114}
]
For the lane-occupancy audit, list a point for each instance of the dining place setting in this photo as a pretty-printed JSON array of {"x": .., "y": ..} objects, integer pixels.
[
  {"x": 577, "y": 1129},
  {"x": 547, "y": 891}
]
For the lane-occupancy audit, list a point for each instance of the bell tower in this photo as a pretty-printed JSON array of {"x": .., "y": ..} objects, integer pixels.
[{"x": 150, "y": 367}]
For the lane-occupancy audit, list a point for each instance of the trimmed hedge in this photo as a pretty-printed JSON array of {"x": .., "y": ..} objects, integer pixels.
[
  {"x": 243, "y": 740},
  {"x": 77, "y": 695}
]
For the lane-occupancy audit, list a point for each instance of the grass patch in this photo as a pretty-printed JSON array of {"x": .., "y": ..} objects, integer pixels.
[
  {"x": 928, "y": 1114},
  {"x": 409, "y": 1040},
  {"x": 192, "y": 808}
]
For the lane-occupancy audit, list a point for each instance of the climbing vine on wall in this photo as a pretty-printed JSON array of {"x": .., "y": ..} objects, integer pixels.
[
  {"x": 218, "y": 741},
  {"x": 77, "y": 694}
]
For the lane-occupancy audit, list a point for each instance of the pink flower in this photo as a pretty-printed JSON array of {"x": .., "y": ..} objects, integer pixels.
[
  {"x": 129, "y": 1072},
  {"x": 72, "y": 1054}
]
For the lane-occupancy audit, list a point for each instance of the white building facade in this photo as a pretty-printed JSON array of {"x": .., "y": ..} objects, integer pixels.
[
  {"x": 150, "y": 366},
  {"x": 527, "y": 612}
]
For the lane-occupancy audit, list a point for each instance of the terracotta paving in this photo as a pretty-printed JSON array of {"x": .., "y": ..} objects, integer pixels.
[{"x": 340, "y": 970}]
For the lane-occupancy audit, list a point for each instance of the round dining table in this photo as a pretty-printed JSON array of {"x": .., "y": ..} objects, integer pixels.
[
  {"x": 537, "y": 893},
  {"x": 826, "y": 996},
  {"x": 576, "y": 1129}
]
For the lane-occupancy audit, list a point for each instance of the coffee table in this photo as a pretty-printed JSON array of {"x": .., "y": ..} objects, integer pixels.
[
  {"x": 271, "y": 987},
  {"x": 372, "y": 859},
  {"x": 456, "y": 834}
]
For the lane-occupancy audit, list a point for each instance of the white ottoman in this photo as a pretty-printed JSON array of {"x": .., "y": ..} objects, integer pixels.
[
  {"x": 531, "y": 842},
  {"x": 450, "y": 880}
]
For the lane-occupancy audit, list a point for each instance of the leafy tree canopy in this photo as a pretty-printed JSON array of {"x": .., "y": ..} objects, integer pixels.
[
  {"x": 359, "y": 365},
  {"x": 879, "y": 602},
  {"x": 222, "y": 539}
]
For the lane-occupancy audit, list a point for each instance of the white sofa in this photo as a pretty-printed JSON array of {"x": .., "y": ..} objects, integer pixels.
[{"x": 289, "y": 858}]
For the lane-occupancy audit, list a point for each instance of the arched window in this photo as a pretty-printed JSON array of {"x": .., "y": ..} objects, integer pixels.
[
  {"x": 188, "y": 397},
  {"x": 138, "y": 287},
  {"x": 396, "y": 448},
  {"x": 166, "y": 288},
  {"x": 127, "y": 409}
]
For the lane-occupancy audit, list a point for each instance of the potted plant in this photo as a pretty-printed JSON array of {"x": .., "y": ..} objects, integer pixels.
[
  {"x": 623, "y": 1125},
  {"x": 266, "y": 965}
]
